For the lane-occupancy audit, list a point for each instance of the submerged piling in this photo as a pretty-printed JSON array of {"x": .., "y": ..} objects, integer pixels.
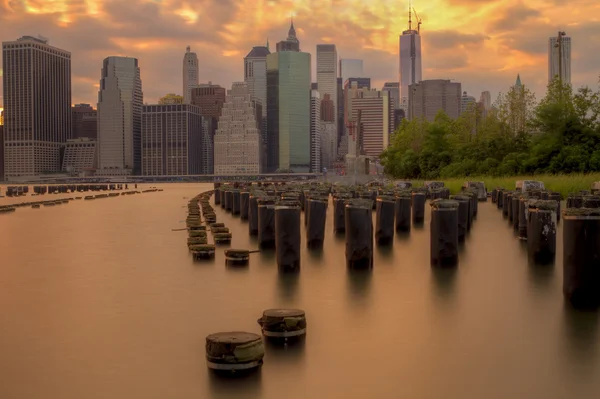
[
  {"x": 244, "y": 204},
  {"x": 253, "y": 215},
  {"x": 402, "y": 210},
  {"x": 581, "y": 257},
  {"x": 515, "y": 211},
  {"x": 235, "y": 202},
  {"x": 444, "y": 232},
  {"x": 287, "y": 237},
  {"x": 339, "y": 214},
  {"x": 266, "y": 225},
  {"x": 523, "y": 215},
  {"x": 283, "y": 325},
  {"x": 463, "y": 215},
  {"x": 316, "y": 212},
  {"x": 384, "y": 220},
  {"x": 217, "y": 196},
  {"x": 228, "y": 200},
  {"x": 359, "y": 234},
  {"x": 234, "y": 352},
  {"x": 541, "y": 231},
  {"x": 418, "y": 207}
]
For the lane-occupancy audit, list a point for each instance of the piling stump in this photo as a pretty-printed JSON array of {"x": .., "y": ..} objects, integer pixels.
[
  {"x": 402, "y": 212},
  {"x": 253, "y": 215},
  {"x": 244, "y": 204},
  {"x": 523, "y": 215},
  {"x": 418, "y": 207},
  {"x": 234, "y": 352},
  {"x": 556, "y": 197},
  {"x": 463, "y": 215},
  {"x": 384, "y": 220},
  {"x": 266, "y": 226},
  {"x": 444, "y": 233},
  {"x": 287, "y": 237},
  {"x": 217, "y": 196},
  {"x": 541, "y": 231},
  {"x": 228, "y": 200},
  {"x": 339, "y": 215},
  {"x": 581, "y": 257},
  {"x": 283, "y": 326},
  {"x": 316, "y": 212},
  {"x": 359, "y": 234},
  {"x": 235, "y": 203},
  {"x": 515, "y": 211}
]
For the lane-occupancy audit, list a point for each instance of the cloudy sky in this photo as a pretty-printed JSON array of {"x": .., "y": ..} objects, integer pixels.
[{"x": 482, "y": 43}]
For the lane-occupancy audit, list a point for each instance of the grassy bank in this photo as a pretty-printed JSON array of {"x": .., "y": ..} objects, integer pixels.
[{"x": 564, "y": 184}]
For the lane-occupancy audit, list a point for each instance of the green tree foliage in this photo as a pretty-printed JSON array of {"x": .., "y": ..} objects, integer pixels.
[{"x": 560, "y": 134}]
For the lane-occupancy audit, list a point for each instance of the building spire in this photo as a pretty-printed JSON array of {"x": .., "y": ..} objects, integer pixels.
[
  {"x": 409, "y": 14},
  {"x": 292, "y": 31},
  {"x": 518, "y": 83}
]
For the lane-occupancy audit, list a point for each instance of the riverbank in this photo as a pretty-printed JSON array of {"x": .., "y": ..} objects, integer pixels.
[{"x": 563, "y": 184}]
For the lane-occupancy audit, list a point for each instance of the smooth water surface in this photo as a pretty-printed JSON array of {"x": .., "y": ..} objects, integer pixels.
[{"x": 100, "y": 299}]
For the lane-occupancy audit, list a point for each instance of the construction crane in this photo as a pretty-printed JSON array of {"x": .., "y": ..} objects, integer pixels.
[{"x": 418, "y": 21}]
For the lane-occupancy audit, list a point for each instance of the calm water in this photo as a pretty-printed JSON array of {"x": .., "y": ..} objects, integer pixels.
[{"x": 100, "y": 299}]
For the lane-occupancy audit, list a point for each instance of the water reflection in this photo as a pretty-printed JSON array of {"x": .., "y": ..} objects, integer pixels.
[
  {"x": 359, "y": 285},
  {"x": 289, "y": 354},
  {"x": 540, "y": 276},
  {"x": 385, "y": 251},
  {"x": 242, "y": 386},
  {"x": 287, "y": 285},
  {"x": 315, "y": 254},
  {"x": 444, "y": 282},
  {"x": 580, "y": 334}
]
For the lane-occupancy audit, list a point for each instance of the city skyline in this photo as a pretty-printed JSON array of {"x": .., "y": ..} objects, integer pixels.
[{"x": 484, "y": 48}]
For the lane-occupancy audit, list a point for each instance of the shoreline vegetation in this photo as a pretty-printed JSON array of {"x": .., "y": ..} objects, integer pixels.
[{"x": 555, "y": 140}]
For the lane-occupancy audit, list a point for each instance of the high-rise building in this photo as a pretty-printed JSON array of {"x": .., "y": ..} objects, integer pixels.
[
  {"x": 171, "y": 98},
  {"x": 486, "y": 100},
  {"x": 564, "y": 67},
  {"x": 84, "y": 121},
  {"x": 315, "y": 131},
  {"x": 327, "y": 63},
  {"x": 288, "y": 109},
  {"x": 328, "y": 145},
  {"x": 428, "y": 97},
  {"x": 377, "y": 119},
  {"x": 410, "y": 60},
  {"x": 37, "y": 106},
  {"x": 350, "y": 68},
  {"x": 255, "y": 77},
  {"x": 80, "y": 155},
  {"x": 1, "y": 152},
  {"x": 238, "y": 142},
  {"x": 190, "y": 74},
  {"x": 120, "y": 102},
  {"x": 341, "y": 129},
  {"x": 171, "y": 140},
  {"x": 291, "y": 43},
  {"x": 328, "y": 109},
  {"x": 210, "y": 98},
  {"x": 394, "y": 89},
  {"x": 466, "y": 101},
  {"x": 350, "y": 87}
]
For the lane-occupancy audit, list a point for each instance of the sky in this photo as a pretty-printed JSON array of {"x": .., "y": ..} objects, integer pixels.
[{"x": 483, "y": 44}]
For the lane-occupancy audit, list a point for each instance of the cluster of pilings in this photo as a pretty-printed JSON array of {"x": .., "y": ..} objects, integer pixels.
[
  {"x": 197, "y": 235},
  {"x": 237, "y": 353}
]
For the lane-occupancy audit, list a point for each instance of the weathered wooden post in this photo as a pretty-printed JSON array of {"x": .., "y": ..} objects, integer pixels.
[
  {"x": 418, "y": 207},
  {"x": 463, "y": 215},
  {"x": 283, "y": 326},
  {"x": 359, "y": 234},
  {"x": 235, "y": 352},
  {"x": 541, "y": 231},
  {"x": 403, "y": 211},
  {"x": 244, "y": 204},
  {"x": 317, "y": 215},
  {"x": 287, "y": 237},
  {"x": 266, "y": 224},
  {"x": 384, "y": 220},
  {"x": 444, "y": 232}
]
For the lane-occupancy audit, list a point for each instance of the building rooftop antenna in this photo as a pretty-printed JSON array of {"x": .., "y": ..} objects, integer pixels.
[{"x": 409, "y": 14}]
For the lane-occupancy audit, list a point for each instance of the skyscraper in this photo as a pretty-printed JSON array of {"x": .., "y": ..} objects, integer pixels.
[
  {"x": 394, "y": 89},
  {"x": 190, "y": 74},
  {"x": 486, "y": 100},
  {"x": 564, "y": 68},
  {"x": 210, "y": 98},
  {"x": 410, "y": 60},
  {"x": 255, "y": 77},
  {"x": 466, "y": 101},
  {"x": 84, "y": 121},
  {"x": 120, "y": 102},
  {"x": 428, "y": 97},
  {"x": 37, "y": 106},
  {"x": 377, "y": 119},
  {"x": 350, "y": 68},
  {"x": 288, "y": 108},
  {"x": 327, "y": 63},
  {"x": 171, "y": 140},
  {"x": 238, "y": 142},
  {"x": 291, "y": 43},
  {"x": 315, "y": 131}
]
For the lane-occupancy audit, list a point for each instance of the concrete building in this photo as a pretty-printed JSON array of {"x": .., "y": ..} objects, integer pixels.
[
  {"x": 120, "y": 102},
  {"x": 1, "y": 152},
  {"x": 37, "y": 106},
  {"x": 315, "y": 131},
  {"x": 288, "y": 110},
  {"x": 428, "y": 97},
  {"x": 466, "y": 101},
  {"x": 350, "y": 68},
  {"x": 394, "y": 89},
  {"x": 351, "y": 86},
  {"x": 84, "y": 121},
  {"x": 341, "y": 129},
  {"x": 327, "y": 63},
  {"x": 328, "y": 109},
  {"x": 410, "y": 60},
  {"x": 190, "y": 74},
  {"x": 486, "y": 100},
  {"x": 554, "y": 68},
  {"x": 171, "y": 140},
  {"x": 171, "y": 98},
  {"x": 80, "y": 156},
  {"x": 377, "y": 119},
  {"x": 328, "y": 145},
  {"x": 238, "y": 141},
  {"x": 255, "y": 77},
  {"x": 210, "y": 98}
]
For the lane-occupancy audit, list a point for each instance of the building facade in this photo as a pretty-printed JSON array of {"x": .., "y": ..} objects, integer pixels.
[
  {"x": 315, "y": 131},
  {"x": 327, "y": 64},
  {"x": 554, "y": 68},
  {"x": 171, "y": 140},
  {"x": 394, "y": 89},
  {"x": 84, "y": 121},
  {"x": 79, "y": 156},
  {"x": 288, "y": 110},
  {"x": 350, "y": 68},
  {"x": 255, "y": 77},
  {"x": 210, "y": 98},
  {"x": 37, "y": 106},
  {"x": 1, "y": 152},
  {"x": 171, "y": 98},
  {"x": 120, "y": 102},
  {"x": 376, "y": 118},
  {"x": 410, "y": 61},
  {"x": 238, "y": 141},
  {"x": 466, "y": 101},
  {"x": 190, "y": 74},
  {"x": 328, "y": 145},
  {"x": 428, "y": 97}
]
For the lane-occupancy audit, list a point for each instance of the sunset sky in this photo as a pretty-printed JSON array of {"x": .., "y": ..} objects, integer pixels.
[{"x": 481, "y": 43}]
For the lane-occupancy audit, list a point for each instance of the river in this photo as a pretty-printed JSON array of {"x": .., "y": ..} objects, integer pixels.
[{"x": 101, "y": 299}]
